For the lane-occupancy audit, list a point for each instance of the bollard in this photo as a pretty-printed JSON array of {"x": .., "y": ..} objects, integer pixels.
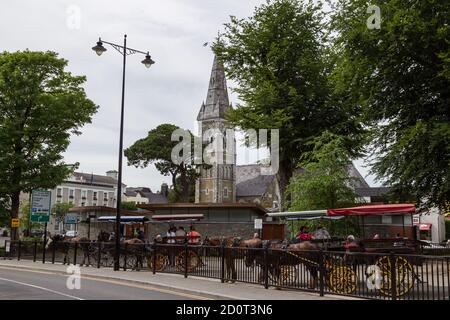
[
  {"x": 35, "y": 251},
  {"x": 125, "y": 258},
  {"x": 393, "y": 277},
  {"x": 75, "y": 254},
  {"x": 321, "y": 272},
  {"x": 266, "y": 267},
  {"x": 99, "y": 254},
  {"x": 53, "y": 252},
  {"x": 19, "y": 250},
  {"x": 154, "y": 258},
  {"x": 222, "y": 262},
  {"x": 185, "y": 260}
]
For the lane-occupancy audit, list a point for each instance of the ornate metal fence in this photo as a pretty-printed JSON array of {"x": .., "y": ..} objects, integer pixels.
[{"x": 367, "y": 275}]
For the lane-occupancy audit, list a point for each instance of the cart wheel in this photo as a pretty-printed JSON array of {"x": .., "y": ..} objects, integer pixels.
[
  {"x": 403, "y": 277},
  {"x": 162, "y": 262},
  {"x": 193, "y": 261},
  {"x": 131, "y": 261},
  {"x": 107, "y": 259},
  {"x": 288, "y": 274},
  {"x": 342, "y": 279}
]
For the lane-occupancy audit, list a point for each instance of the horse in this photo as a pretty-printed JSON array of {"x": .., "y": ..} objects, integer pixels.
[
  {"x": 283, "y": 254},
  {"x": 130, "y": 247},
  {"x": 230, "y": 254},
  {"x": 64, "y": 244}
]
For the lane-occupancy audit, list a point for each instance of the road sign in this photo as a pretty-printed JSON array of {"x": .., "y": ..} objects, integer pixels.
[
  {"x": 40, "y": 205},
  {"x": 71, "y": 219},
  {"x": 258, "y": 224},
  {"x": 15, "y": 223}
]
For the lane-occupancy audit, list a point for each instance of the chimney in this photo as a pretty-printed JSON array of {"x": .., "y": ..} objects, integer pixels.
[
  {"x": 112, "y": 174},
  {"x": 165, "y": 190}
]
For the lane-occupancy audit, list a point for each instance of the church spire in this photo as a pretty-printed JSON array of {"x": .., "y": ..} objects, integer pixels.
[{"x": 217, "y": 101}]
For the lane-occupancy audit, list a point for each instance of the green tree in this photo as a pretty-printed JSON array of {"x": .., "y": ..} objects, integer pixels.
[
  {"x": 128, "y": 205},
  {"x": 59, "y": 210},
  {"x": 324, "y": 181},
  {"x": 41, "y": 105},
  {"x": 174, "y": 198},
  {"x": 400, "y": 75},
  {"x": 25, "y": 222},
  {"x": 281, "y": 61},
  {"x": 156, "y": 149}
]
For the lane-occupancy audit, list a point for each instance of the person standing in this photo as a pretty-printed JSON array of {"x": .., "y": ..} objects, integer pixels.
[{"x": 171, "y": 235}]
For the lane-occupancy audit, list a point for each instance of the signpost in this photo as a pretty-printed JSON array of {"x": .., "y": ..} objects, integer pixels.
[
  {"x": 71, "y": 219},
  {"x": 40, "y": 206},
  {"x": 258, "y": 224},
  {"x": 15, "y": 223},
  {"x": 40, "y": 211}
]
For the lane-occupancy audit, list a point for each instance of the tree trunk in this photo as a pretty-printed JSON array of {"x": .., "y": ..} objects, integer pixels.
[
  {"x": 283, "y": 176},
  {"x": 15, "y": 205}
]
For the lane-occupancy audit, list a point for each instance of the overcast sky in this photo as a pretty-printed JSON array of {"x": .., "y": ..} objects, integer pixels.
[{"x": 171, "y": 91}]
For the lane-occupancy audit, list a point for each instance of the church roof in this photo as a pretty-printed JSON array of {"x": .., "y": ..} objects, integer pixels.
[
  {"x": 217, "y": 102},
  {"x": 257, "y": 186}
]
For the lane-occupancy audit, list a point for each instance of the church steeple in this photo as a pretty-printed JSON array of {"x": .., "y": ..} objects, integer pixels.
[
  {"x": 217, "y": 184},
  {"x": 217, "y": 102}
]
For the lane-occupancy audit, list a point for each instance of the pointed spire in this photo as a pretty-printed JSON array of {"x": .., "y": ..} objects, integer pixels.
[{"x": 217, "y": 101}]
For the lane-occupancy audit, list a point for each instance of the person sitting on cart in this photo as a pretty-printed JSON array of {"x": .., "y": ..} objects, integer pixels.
[
  {"x": 141, "y": 235},
  {"x": 158, "y": 239},
  {"x": 193, "y": 236},
  {"x": 180, "y": 235},
  {"x": 322, "y": 233},
  {"x": 304, "y": 235},
  {"x": 351, "y": 244}
]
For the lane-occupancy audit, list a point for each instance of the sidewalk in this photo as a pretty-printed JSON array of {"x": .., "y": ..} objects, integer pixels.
[{"x": 210, "y": 288}]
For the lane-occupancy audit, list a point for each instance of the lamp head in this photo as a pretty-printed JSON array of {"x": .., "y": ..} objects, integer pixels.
[
  {"x": 99, "y": 48},
  {"x": 148, "y": 61}
]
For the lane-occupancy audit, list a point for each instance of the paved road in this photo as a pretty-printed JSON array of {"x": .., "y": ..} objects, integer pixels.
[{"x": 31, "y": 285}]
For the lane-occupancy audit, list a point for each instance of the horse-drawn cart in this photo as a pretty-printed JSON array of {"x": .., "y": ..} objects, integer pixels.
[{"x": 389, "y": 263}]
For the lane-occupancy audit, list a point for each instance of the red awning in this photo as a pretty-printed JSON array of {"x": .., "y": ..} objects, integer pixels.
[
  {"x": 373, "y": 210},
  {"x": 425, "y": 226}
]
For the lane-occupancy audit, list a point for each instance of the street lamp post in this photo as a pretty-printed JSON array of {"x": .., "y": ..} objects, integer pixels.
[{"x": 124, "y": 51}]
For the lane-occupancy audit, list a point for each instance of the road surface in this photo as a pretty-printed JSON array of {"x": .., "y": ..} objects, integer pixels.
[{"x": 18, "y": 284}]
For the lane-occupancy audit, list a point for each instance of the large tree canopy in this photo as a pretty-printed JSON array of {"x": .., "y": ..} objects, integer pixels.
[
  {"x": 281, "y": 63},
  {"x": 41, "y": 105},
  {"x": 156, "y": 149},
  {"x": 323, "y": 181},
  {"x": 400, "y": 74}
]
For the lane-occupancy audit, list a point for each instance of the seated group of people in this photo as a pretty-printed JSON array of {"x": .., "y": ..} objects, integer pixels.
[
  {"x": 320, "y": 233},
  {"x": 179, "y": 236}
]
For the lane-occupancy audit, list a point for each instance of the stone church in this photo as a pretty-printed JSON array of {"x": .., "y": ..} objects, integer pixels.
[{"x": 224, "y": 181}]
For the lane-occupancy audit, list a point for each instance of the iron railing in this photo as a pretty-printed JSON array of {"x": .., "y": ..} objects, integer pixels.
[{"x": 367, "y": 275}]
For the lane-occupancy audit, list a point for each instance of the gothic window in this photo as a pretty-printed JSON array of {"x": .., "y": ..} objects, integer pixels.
[{"x": 225, "y": 192}]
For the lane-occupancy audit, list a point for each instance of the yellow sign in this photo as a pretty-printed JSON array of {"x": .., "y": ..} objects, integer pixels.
[{"x": 15, "y": 223}]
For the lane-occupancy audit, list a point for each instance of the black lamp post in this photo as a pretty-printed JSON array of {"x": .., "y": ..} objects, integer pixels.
[{"x": 124, "y": 51}]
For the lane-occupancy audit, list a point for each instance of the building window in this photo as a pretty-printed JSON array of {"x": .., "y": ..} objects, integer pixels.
[
  {"x": 83, "y": 194},
  {"x": 82, "y": 204},
  {"x": 95, "y": 195},
  {"x": 207, "y": 191},
  {"x": 225, "y": 192},
  {"x": 59, "y": 192},
  {"x": 71, "y": 193},
  {"x": 105, "y": 196}
]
